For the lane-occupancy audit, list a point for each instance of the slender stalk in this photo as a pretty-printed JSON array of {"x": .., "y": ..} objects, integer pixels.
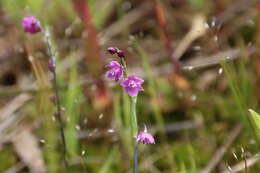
[
  {"x": 135, "y": 167},
  {"x": 246, "y": 171},
  {"x": 122, "y": 60},
  {"x": 126, "y": 110},
  {"x": 56, "y": 91},
  {"x": 58, "y": 114},
  {"x": 134, "y": 127},
  {"x": 133, "y": 121},
  {"x": 134, "y": 131}
]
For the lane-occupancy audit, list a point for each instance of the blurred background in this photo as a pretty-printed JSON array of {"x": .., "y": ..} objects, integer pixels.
[{"x": 200, "y": 61}]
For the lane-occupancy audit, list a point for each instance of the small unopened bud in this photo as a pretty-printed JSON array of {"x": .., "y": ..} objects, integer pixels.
[
  {"x": 120, "y": 54},
  {"x": 112, "y": 50},
  {"x": 53, "y": 99},
  {"x": 51, "y": 65}
]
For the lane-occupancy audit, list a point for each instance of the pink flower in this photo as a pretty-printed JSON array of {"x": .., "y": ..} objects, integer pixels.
[
  {"x": 145, "y": 138},
  {"x": 132, "y": 85},
  {"x": 31, "y": 25},
  {"x": 115, "y": 71}
]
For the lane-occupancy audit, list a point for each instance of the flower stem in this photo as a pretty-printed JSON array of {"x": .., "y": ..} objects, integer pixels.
[
  {"x": 133, "y": 120},
  {"x": 134, "y": 127},
  {"x": 58, "y": 114},
  {"x": 135, "y": 167},
  {"x": 134, "y": 130},
  {"x": 123, "y": 63},
  {"x": 56, "y": 91}
]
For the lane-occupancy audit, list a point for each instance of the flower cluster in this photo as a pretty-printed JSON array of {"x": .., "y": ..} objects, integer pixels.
[{"x": 132, "y": 84}]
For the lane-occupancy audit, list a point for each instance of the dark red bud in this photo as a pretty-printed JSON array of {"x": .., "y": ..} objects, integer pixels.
[
  {"x": 112, "y": 50},
  {"x": 120, "y": 54}
]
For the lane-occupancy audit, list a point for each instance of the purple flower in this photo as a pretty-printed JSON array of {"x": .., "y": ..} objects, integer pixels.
[
  {"x": 112, "y": 50},
  {"x": 132, "y": 85},
  {"x": 31, "y": 25},
  {"x": 145, "y": 138},
  {"x": 115, "y": 71}
]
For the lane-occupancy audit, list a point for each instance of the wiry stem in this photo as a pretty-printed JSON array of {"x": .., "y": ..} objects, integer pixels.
[
  {"x": 123, "y": 63},
  {"x": 58, "y": 114},
  {"x": 57, "y": 99},
  {"x": 135, "y": 167},
  {"x": 133, "y": 120},
  {"x": 134, "y": 127},
  {"x": 134, "y": 131}
]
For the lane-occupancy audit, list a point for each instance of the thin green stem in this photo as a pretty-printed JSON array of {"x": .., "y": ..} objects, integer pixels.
[
  {"x": 134, "y": 127},
  {"x": 123, "y": 62},
  {"x": 56, "y": 91},
  {"x": 126, "y": 110},
  {"x": 135, "y": 167},
  {"x": 134, "y": 130},
  {"x": 133, "y": 120}
]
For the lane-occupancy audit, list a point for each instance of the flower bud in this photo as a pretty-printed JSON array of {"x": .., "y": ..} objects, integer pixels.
[
  {"x": 112, "y": 50},
  {"x": 120, "y": 54},
  {"x": 51, "y": 65}
]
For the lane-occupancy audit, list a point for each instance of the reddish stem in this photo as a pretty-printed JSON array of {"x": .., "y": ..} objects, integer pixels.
[
  {"x": 176, "y": 75},
  {"x": 94, "y": 60}
]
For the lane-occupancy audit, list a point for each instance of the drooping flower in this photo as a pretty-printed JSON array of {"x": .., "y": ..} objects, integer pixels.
[
  {"x": 115, "y": 71},
  {"x": 145, "y": 138},
  {"x": 132, "y": 85},
  {"x": 31, "y": 25},
  {"x": 112, "y": 50}
]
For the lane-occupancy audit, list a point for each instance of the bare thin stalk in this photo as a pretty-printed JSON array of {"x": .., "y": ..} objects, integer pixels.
[
  {"x": 134, "y": 131},
  {"x": 246, "y": 171},
  {"x": 135, "y": 167},
  {"x": 57, "y": 99},
  {"x": 58, "y": 114},
  {"x": 134, "y": 127},
  {"x": 122, "y": 60}
]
